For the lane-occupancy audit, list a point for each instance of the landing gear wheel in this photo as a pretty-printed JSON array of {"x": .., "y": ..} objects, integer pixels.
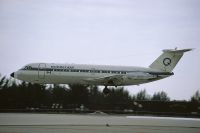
[{"x": 106, "y": 91}]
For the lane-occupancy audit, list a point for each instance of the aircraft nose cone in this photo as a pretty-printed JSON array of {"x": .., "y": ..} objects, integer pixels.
[{"x": 12, "y": 74}]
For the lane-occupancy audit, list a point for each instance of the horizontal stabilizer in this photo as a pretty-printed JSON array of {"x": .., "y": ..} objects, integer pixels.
[{"x": 177, "y": 51}]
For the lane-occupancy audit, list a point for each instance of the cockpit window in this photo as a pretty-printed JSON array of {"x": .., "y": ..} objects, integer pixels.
[{"x": 26, "y": 68}]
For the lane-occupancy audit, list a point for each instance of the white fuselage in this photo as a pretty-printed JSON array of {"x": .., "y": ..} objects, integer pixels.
[{"x": 51, "y": 73}]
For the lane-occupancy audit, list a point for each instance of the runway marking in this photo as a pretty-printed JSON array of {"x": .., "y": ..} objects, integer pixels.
[{"x": 163, "y": 118}]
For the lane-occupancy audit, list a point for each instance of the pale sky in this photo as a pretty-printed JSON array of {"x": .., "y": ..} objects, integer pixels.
[{"x": 111, "y": 32}]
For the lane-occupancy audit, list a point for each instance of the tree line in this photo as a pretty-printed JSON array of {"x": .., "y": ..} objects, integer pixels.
[{"x": 24, "y": 95}]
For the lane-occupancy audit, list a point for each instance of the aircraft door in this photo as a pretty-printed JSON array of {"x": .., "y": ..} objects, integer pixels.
[
  {"x": 92, "y": 71},
  {"x": 41, "y": 70}
]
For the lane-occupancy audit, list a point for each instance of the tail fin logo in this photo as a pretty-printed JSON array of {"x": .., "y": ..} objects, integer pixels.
[{"x": 167, "y": 61}]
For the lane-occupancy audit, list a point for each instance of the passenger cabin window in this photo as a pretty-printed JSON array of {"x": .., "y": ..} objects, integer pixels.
[
  {"x": 123, "y": 72},
  {"x": 77, "y": 70}
]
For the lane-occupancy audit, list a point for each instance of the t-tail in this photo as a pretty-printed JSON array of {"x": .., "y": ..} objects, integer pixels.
[{"x": 168, "y": 60}]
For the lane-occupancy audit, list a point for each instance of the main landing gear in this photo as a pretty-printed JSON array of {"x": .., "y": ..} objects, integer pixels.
[{"x": 106, "y": 91}]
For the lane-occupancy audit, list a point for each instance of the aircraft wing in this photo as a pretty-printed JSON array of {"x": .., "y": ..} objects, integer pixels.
[
  {"x": 108, "y": 80},
  {"x": 115, "y": 80}
]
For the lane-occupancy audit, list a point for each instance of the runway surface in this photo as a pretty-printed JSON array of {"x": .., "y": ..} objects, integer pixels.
[{"x": 88, "y": 123}]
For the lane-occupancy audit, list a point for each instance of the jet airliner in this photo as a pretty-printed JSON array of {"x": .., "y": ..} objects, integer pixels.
[{"x": 106, "y": 75}]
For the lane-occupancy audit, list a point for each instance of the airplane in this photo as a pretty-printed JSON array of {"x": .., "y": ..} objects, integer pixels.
[{"x": 106, "y": 75}]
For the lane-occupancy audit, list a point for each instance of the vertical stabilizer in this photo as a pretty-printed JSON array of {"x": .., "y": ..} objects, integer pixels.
[{"x": 168, "y": 60}]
